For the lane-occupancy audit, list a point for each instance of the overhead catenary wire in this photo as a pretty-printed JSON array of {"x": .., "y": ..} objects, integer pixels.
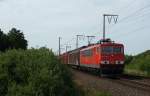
[
  {"x": 130, "y": 4},
  {"x": 136, "y": 22},
  {"x": 137, "y": 13},
  {"x": 134, "y": 13},
  {"x": 131, "y": 32},
  {"x": 67, "y": 42}
]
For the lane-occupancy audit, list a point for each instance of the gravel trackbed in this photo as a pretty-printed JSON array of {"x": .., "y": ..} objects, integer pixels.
[{"x": 87, "y": 80}]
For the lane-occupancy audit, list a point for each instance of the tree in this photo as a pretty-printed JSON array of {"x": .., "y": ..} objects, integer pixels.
[
  {"x": 17, "y": 39},
  {"x": 3, "y": 41}
]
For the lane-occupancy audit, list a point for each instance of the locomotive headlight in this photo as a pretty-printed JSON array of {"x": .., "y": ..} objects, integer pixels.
[
  {"x": 105, "y": 62},
  {"x": 119, "y": 62}
]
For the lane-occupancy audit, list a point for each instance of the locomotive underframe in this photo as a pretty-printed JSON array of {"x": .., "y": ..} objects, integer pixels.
[
  {"x": 102, "y": 69},
  {"x": 111, "y": 68}
]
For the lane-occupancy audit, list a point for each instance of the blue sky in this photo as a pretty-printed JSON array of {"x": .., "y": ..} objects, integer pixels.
[{"x": 43, "y": 21}]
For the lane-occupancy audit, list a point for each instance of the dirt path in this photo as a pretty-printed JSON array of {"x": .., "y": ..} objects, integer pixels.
[{"x": 87, "y": 80}]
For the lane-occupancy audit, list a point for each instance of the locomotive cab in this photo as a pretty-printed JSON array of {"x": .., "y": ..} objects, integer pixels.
[
  {"x": 112, "y": 54},
  {"x": 111, "y": 57}
]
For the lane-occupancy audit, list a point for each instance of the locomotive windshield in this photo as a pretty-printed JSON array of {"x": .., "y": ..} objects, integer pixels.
[
  {"x": 107, "y": 50},
  {"x": 117, "y": 50},
  {"x": 110, "y": 49}
]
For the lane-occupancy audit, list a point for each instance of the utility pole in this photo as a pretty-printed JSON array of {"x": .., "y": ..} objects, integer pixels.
[
  {"x": 77, "y": 40},
  {"x": 67, "y": 56},
  {"x": 67, "y": 46},
  {"x": 109, "y": 16},
  {"x": 89, "y": 39},
  {"x": 59, "y": 46}
]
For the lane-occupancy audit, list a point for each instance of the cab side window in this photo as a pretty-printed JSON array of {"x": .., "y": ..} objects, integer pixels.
[
  {"x": 87, "y": 53},
  {"x": 98, "y": 49}
]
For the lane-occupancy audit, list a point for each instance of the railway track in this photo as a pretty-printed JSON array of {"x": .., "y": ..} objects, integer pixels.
[
  {"x": 120, "y": 86},
  {"x": 137, "y": 82},
  {"x": 140, "y": 83}
]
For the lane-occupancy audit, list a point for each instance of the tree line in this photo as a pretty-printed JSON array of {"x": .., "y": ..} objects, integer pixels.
[{"x": 14, "y": 39}]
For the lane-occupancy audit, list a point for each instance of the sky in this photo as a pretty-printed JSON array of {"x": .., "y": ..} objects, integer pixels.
[{"x": 43, "y": 21}]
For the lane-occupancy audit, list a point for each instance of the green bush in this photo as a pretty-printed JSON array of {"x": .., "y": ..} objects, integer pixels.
[
  {"x": 140, "y": 63},
  {"x": 34, "y": 72},
  {"x": 128, "y": 59}
]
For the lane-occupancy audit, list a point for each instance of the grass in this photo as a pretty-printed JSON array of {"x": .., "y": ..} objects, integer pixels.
[{"x": 95, "y": 92}]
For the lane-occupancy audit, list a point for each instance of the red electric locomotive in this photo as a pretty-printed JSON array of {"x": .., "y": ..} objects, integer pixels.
[{"x": 107, "y": 57}]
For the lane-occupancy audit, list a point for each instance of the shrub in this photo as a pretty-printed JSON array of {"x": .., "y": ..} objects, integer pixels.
[
  {"x": 128, "y": 59},
  {"x": 34, "y": 72},
  {"x": 140, "y": 63}
]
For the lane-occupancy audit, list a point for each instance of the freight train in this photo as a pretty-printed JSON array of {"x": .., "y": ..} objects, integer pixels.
[{"x": 104, "y": 57}]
